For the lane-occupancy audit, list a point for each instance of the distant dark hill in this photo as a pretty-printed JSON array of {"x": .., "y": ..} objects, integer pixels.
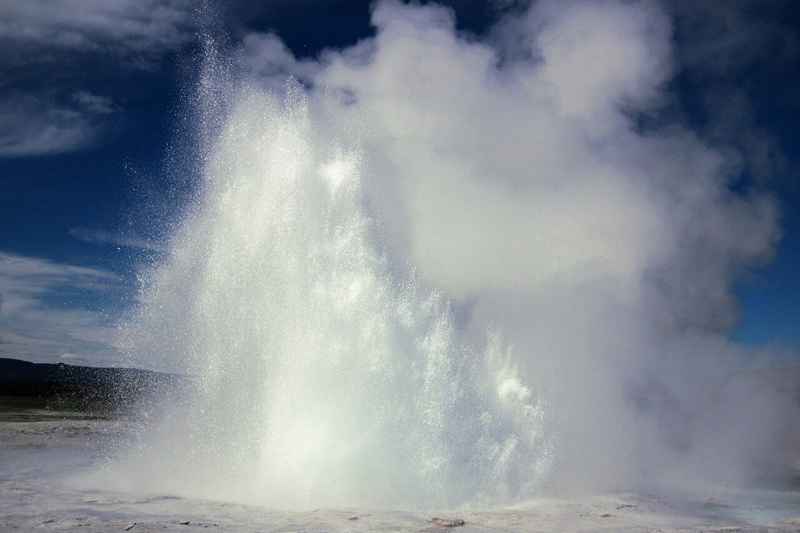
[{"x": 82, "y": 387}]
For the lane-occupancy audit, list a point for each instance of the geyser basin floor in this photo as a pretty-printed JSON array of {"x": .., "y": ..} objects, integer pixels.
[{"x": 42, "y": 454}]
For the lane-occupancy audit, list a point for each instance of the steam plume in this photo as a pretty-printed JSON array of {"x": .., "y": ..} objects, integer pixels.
[{"x": 447, "y": 269}]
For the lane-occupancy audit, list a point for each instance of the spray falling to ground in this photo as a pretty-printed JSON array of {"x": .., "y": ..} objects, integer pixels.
[{"x": 355, "y": 241}]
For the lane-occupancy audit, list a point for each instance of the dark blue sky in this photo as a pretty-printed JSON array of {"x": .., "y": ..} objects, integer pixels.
[{"x": 93, "y": 162}]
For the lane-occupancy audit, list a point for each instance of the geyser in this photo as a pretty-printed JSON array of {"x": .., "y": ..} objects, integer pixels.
[
  {"x": 322, "y": 378},
  {"x": 445, "y": 270}
]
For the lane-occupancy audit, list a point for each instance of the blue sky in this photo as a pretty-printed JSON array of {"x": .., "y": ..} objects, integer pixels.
[{"x": 94, "y": 164}]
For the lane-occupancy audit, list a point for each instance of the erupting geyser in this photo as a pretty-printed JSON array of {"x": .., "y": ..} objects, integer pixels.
[
  {"x": 441, "y": 270},
  {"x": 323, "y": 380}
]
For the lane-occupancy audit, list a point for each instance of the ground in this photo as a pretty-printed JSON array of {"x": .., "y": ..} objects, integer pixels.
[{"x": 42, "y": 450}]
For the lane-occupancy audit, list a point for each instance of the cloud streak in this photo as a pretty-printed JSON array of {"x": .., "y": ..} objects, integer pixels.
[
  {"x": 95, "y": 236},
  {"x": 35, "y": 125},
  {"x": 43, "y": 40},
  {"x": 122, "y": 26}
]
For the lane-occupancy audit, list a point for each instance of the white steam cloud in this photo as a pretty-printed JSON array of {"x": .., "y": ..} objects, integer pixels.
[{"x": 515, "y": 175}]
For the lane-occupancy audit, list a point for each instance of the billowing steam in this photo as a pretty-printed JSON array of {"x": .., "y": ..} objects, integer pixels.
[{"x": 438, "y": 270}]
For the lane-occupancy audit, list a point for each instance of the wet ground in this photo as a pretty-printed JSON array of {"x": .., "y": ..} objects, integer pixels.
[{"x": 46, "y": 453}]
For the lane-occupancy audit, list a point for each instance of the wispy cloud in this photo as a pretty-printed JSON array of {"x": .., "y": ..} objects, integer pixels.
[
  {"x": 41, "y": 318},
  {"x": 45, "y": 107},
  {"x": 94, "y": 103},
  {"x": 39, "y": 124},
  {"x": 98, "y": 236},
  {"x": 142, "y": 26}
]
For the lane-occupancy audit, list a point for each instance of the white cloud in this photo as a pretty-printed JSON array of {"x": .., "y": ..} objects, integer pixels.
[
  {"x": 42, "y": 40},
  {"x": 96, "y": 236},
  {"x": 39, "y": 124},
  {"x": 141, "y": 26},
  {"x": 38, "y": 320},
  {"x": 94, "y": 103}
]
